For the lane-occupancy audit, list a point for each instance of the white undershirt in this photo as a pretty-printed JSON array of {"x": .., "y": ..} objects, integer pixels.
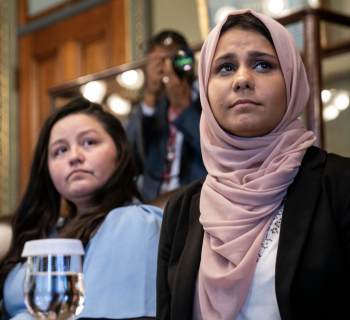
[
  {"x": 146, "y": 110},
  {"x": 261, "y": 302},
  {"x": 175, "y": 166}
]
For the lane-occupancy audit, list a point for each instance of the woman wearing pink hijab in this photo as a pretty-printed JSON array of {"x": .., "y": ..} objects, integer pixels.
[{"x": 267, "y": 234}]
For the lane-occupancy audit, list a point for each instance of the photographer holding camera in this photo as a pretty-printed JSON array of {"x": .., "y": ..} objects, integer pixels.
[{"x": 164, "y": 132}]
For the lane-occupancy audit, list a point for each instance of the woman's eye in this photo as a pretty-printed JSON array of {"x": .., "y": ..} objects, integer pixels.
[
  {"x": 88, "y": 143},
  {"x": 226, "y": 68},
  {"x": 60, "y": 151},
  {"x": 263, "y": 65}
]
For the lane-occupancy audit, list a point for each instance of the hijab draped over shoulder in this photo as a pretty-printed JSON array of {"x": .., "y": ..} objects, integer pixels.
[{"x": 247, "y": 181}]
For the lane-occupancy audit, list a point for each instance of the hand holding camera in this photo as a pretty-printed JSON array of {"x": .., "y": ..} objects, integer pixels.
[
  {"x": 172, "y": 70},
  {"x": 178, "y": 89},
  {"x": 178, "y": 77}
]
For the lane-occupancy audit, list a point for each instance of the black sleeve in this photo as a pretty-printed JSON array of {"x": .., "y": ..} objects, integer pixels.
[
  {"x": 345, "y": 230},
  {"x": 179, "y": 253},
  {"x": 337, "y": 182},
  {"x": 163, "y": 289}
]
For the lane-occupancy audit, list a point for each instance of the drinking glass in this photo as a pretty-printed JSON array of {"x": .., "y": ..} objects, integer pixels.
[{"x": 54, "y": 282}]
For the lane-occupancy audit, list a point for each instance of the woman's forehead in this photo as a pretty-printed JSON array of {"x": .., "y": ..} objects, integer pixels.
[
  {"x": 75, "y": 123},
  {"x": 237, "y": 40}
]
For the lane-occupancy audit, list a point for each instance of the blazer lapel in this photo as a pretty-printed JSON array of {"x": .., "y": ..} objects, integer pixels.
[
  {"x": 187, "y": 270},
  {"x": 301, "y": 202}
]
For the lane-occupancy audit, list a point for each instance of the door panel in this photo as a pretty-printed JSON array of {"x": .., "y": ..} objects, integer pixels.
[
  {"x": 70, "y": 60},
  {"x": 47, "y": 70},
  {"x": 94, "y": 55},
  {"x": 80, "y": 45}
]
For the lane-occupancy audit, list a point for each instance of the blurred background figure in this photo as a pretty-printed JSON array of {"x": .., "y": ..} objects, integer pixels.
[{"x": 164, "y": 131}]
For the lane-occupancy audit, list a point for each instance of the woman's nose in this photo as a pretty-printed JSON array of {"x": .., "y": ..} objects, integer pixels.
[
  {"x": 75, "y": 156},
  {"x": 243, "y": 80}
]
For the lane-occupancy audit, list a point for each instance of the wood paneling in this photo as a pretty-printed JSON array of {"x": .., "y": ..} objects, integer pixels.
[
  {"x": 22, "y": 12},
  {"x": 70, "y": 60},
  {"x": 94, "y": 55},
  {"x": 46, "y": 71},
  {"x": 83, "y": 44},
  {"x": 27, "y": 89},
  {"x": 118, "y": 34}
]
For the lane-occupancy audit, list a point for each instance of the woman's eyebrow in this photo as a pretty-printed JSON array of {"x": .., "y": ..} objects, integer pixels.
[
  {"x": 84, "y": 132},
  {"x": 80, "y": 134},
  {"x": 254, "y": 54},
  {"x": 56, "y": 142},
  {"x": 251, "y": 54},
  {"x": 226, "y": 56}
]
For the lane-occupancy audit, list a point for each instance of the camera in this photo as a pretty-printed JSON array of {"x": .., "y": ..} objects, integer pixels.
[{"x": 183, "y": 61}]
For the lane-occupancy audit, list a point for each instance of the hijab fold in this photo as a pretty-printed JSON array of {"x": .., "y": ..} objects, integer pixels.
[{"x": 247, "y": 181}]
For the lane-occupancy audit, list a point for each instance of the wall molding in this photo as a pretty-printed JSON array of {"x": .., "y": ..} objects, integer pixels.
[
  {"x": 139, "y": 26},
  {"x": 8, "y": 108},
  {"x": 203, "y": 18},
  {"x": 58, "y": 16}
]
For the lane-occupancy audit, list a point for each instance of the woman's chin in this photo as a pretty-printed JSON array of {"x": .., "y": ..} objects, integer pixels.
[
  {"x": 80, "y": 191},
  {"x": 247, "y": 133},
  {"x": 249, "y": 130}
]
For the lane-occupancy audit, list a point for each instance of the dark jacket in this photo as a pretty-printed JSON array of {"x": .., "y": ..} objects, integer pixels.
[
  {"x": 313, "y": 257},
  {"x": 148, "y": 137}
]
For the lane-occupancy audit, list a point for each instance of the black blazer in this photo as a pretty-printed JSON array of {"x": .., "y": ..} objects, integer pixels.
[{"x": 313, "y": 257}]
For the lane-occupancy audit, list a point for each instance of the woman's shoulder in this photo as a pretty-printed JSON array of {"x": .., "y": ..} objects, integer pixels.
[
  {"x": 182, "y": 205},
  {"x": 335, "y": 171},
  {"x": 185, "y": 194},
  {"x": 137, "y": 212},
  {"x": 123, "y": 222},
  {"x": 124, "y": 250},
  {"x": 337, "y": 176},
  {"x": 333, "y": 164},
  {"x": 337, "y": 164},
  {"x": 129, "y": 226}
]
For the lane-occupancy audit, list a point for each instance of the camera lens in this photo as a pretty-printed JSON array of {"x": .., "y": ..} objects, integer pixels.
[{"x": 182, "y": 60}]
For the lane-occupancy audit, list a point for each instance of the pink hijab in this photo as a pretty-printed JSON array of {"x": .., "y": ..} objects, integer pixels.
[{"x": 247, "y": 181}]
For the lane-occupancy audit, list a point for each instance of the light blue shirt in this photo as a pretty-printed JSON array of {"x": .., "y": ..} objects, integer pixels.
[{"x": 119, "y": 268}]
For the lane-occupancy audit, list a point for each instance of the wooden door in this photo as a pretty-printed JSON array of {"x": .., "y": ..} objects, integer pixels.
[{"x": 89, "y": 42}]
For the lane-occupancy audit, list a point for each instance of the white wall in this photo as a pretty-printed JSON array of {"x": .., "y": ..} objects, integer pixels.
[
  {"x": 337, "y": 32},
  {"x": 178, "y": 15},
  {"x": 37, "y": 6},
  {"x": 336, "y": 74}
]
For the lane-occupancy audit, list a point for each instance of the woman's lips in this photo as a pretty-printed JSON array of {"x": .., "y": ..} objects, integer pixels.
[
  {"x": 244, "y": 103},
  {"x": 77, "y": 173}
]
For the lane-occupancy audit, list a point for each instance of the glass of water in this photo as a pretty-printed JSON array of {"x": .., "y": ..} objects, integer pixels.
[{"x": 54, "y": 282}]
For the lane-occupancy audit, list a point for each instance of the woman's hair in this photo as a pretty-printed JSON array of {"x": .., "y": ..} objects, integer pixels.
[
  {"x": 38, "y": 212},
  {"x": 246, "y": 21}
]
